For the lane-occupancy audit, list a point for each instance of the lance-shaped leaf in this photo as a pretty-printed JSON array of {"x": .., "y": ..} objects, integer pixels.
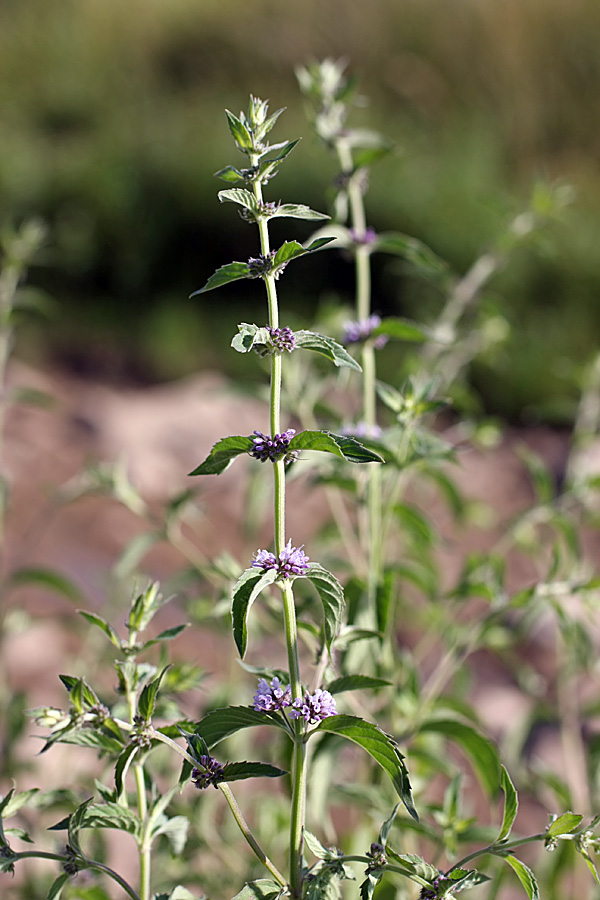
[
  {"x": 239, "y": 132},
  {"x": 268, "y": 167},
  {"x": 564, "y": 824},
  {"x": 480, "y": 750},
  {"x": 525, "y": 876},
  {"x": 230, "y": 272},
  {"x": 380, "y": 746},
  {"x": 327, "y": 347},
  {"x": 230, "y": 174},
  {"x": 332, "y": 598},
  {"x": 347, "y": 448},
  {"x": 103, "y": 625},
  {"x": 147, "y": 700},
  {"x": 402, "y": 330},
  {"x": 167, "y": 635},
  {"x": 418, "y": 254},
  {"x": 57, "y": 886},
  {"x": 511, "y": 805},
  {"x": 243, "y": 197},
  {"x": 297, "y": 211},
  {"x": 122, "y": 766},
  {"x": 239, "y": 771},
  {"x": 250, "y": 336},
  {"x": 292, "y": 250},
  {"x": 223, "y": 453},
  {"x": 221, "y": 723},
  {"x": 248, "y": 587}
]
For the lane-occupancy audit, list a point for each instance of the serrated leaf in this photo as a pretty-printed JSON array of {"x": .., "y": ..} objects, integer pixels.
[
  {"x": 230, "y": 272},
  {"x": 298, "y": 211},
  {"x": 222, "y": 454},
  {"x": 147, "y": 700},
  {"x": 221, "y": 723},
  {"x": 240, "y": 771},
  {"x": 356, "y": 683},
  {"x": 103, "y": 625},
  {"x": 327, "y": 442},
  {"x": 248, "y": 587},
  {"x": 480, "y": 750},
  {"x": 57, "y": 886},
  {"x": 332, "y": 599},
  {"x": 316, "y": 847},
  {"x": 564, "y": 824},
  {"x": 525, "y": 876},
  {"x": 327, "y": 347},
  {"x": 511, "y": 805},
  {"x": 262, "y": 889},
  {"x": 414, "y": 864},
  {"x": 47, "y": 579},
  {"x": 380, "y": 746},
  {"x": 241, "y": 196}
]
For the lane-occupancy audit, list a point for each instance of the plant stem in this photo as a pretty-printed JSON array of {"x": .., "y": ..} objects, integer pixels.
[
  {"x": 143, "y": 842},
  {"x": 493, "y": 848},
  {"x": 90, "y": 864}
]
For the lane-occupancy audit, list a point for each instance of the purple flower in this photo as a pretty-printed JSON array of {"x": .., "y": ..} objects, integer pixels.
[
  {"x": 261, "y": 266},
  {"x": 283, "y": 338},
  {"x": 357, "y": 332},
  {"x": 272, "y": 696},
  {"x": 314, "y": 707},
  {"x": 292, "y": 561},
  {"x": 211, "y": 773},
  {"x": 273, "y": 448}
]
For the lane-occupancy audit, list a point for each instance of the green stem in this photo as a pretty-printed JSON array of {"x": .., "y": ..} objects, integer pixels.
[
  {"x": 143, "y": 842},
  {"x": 494, "y": 848}
]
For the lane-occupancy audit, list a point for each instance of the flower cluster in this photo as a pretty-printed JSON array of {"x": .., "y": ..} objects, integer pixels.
[
  {"x": 433, "y": 893},
  {"x": 292, "y": 561},
  {"x": 273, "y": 448},
  {"x": 313, "y": 708},
  {"x": 265, "y": 210},
  {"x": 212, "y": 773},
  {"x": 377, "y": 855},
  {"x": 269, "y": 697},
  {"x": 357, "y": 332},
  {"x": 261, "y": 266},
  {"x": 282, "y": 338}
]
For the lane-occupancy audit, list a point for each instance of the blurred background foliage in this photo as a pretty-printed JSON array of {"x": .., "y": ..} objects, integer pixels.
[{"x": 111, "y": 125}]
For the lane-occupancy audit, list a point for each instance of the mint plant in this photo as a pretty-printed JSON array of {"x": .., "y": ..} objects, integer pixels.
[{"x": 161, "y": 767}]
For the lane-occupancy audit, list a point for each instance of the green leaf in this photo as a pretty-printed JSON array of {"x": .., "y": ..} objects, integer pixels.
[
  {"x": 262, "y": 889},
  {"x": 402, "y": 330},
  {"x": 47, "y": 579},
  {"x": 111, "y": 815},
  {"x": 230, "y": 272},
  {"x": 230, "y": 174},
  {"x": 268, "y": 168},
  {"x": 221, "y": 723},
  {"x": 103, "y": 625},
  {"x": 239, "y": 132},
  {"x": 327, "y": 347},
  {"x": 242, "y": 197},
  {"x": 414, "y": 864},
  {"x": 75, "y": 822},
  {"x": 481, "y": 751},
  {"x": 525, "y": 875},
  {"x": 332, "y": 598},
  {"x": 316, "y": 847},
  {"x": 167, "y": 635},
  {"x": 239, "y": 771},
  {"x": 426, "y": 263},
  {"x": 250, "y": 336},
  {"x": 298, "y": 211},
  {"x": 222, "y": 455},
  {"x": 564, "y": 824},
  {"x": 57, "y": 886},
  {"x": 326, "y": 442},
  {"x": 248, "y": 587},
  {"x": 147, "y": 700},
  {"x": 380, "y": 746},
  {"x": 175, "y": 830},
  {"x": 122, "y": 766},
  {"x": 292, "y": 249},
  {"x": 511, "y": 805},
  {"x": 384, "y": 831},
  {"x": 356, "y": 683}
]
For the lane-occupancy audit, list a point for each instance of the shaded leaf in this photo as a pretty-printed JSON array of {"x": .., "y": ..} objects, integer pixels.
[
  {"x": 147, "y": 699},
  {"x": 239, "y": 132},
  {"x": 57, "y": 886},
  {"x": 332, "y": 598},
  {"x": 230, "y": 174},
  {"x": 222, "y": 455},
  {"x": 249, "y": 585},
  {"x": 239, "y": 771},
  {"x": 511, "y": 805},
  {"x": 123, "y": 763}
]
